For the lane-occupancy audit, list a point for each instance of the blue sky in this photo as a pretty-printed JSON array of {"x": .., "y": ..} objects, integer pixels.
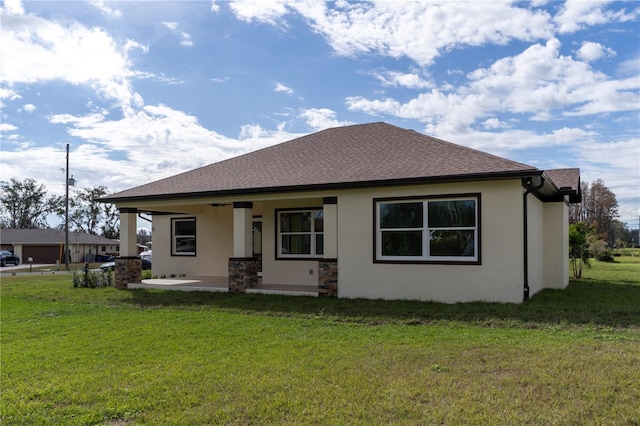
[{"x": 144, "y": 90}]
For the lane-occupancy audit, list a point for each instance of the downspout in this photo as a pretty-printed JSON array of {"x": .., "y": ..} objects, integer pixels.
[{"x": 528, "y": 182}]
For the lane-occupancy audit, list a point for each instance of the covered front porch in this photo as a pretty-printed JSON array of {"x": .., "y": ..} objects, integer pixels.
[{"x": 221, "y": 247}]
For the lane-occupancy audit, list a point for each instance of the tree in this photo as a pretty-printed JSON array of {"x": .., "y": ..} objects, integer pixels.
[
  {"x": 88, "y": 215},
  {"x": 598, "y": 207},
  {"x": 85, "y": 211},
  {"x": 143, "y": 236},
  {"x": 26, "y": 204},
  {"x": 580, "y": 237},
  {"x": 111, "y": 225}
]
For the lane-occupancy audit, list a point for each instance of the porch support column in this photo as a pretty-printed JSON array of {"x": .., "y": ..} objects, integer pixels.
[
  {"x": 328, "y": 266},
  {"x": 243, "y": 267},
  {"x": 242, "y": 223},
  {"x": 128, "y": 266}
]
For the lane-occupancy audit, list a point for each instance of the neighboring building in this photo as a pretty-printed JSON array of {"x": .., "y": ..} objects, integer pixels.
[
  {"x": 47, "y": 245},
  {"x": 371, "y": 211}
]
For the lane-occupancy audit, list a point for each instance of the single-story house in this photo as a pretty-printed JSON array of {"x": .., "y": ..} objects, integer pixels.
[
  {"x": 362, "y": 211},
  {"x": 47, "y": 245}
]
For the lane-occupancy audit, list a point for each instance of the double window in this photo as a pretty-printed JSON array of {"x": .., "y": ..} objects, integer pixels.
[
  {"x": 300, "y": 233},
  {"x": 183, "y": 236},
  {"x": 428, "y": 229}
]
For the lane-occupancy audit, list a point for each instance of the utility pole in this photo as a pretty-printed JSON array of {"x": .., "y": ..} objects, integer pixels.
[
  {"x": 66, "y": 214},
  {"x": 67, "y": 182}
]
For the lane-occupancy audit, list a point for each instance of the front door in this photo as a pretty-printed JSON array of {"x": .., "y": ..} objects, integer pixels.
[{"x": 257, "y": 242}]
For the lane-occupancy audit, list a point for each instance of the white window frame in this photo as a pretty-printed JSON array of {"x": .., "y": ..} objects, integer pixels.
[
  {"x": 174, "y": 237},
  {"x": 427, "y": 231},
  {"x": 312, "y": 234}
]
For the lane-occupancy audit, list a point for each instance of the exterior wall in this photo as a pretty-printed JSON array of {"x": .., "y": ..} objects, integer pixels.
[
  {"x": 279, "y": 271},
  {"x": 214, "y": 244},
  {"x": 499, "y": 277},
  {"x": 556, "y": 245},
  {"x": 535, "y": 225}
]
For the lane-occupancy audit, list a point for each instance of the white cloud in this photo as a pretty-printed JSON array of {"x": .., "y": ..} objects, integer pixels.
[
  {"x": 12, "y": 7},
  {"x": 6, "y": 127},
  {"x": 535, "y": 84},
  {"x": 121, "y": 148},
  {"x": 9, "y": 94},
  {"x": 618, "y": 164},
  {"x": 265, "y": 11},
  {"x": 399, "y": 79},
  {"x": 173, "y": 26},
  {"x": 107, "y": 11},
  {"x": 420, "y": 31},
  {"x": 590, "y": 51},
  {"x": 575, "y": 15},
  {"x": 279, "y": 87},
  {"x": 214, "y": 7},
  {"x": 35, "y": 50},
  {"x": 132, "y": 44},
  {"x": 322, "y": 118},
  {"x": 494, "y": 123},
  {"x": 186, "y": 38},
  {"x": 29, "y": 108}
]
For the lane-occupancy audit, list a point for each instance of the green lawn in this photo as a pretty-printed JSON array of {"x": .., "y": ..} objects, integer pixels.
[{"x": 77, "y": 356}]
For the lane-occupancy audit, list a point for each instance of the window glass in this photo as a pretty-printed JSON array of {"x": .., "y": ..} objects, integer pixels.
[
  {"x": 295, "y": 222},
  {"x": 318, "y": 221},
  {"x": 452, "y": 243},
  {"x": 401, "y": 215},
  {"x": 296, "y": 244},
  {"x": 183, "y": 236},
  {"x": 319, "y": 244},
  {"x": 185, "y": 227},
  {"x": 300, "y": 233},
  {"x": 402, "y": 243},
  {"x": 430, "y": 229},
  {"x": 446, "y": 214}
]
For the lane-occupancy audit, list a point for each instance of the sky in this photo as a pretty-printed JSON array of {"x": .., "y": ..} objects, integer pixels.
[{"x": 142, "y": 90}]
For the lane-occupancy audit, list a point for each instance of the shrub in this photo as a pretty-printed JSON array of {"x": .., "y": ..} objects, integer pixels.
[
  {"x": 604, "y": 256},
  {"x": 92, "y": 279},
  {"x": 600, "y": 250}
]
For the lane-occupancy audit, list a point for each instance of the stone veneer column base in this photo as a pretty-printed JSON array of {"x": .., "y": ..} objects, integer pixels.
[
  {"x": 243, "y": 274},
  {"x": 127, "y": 270},
  {"x": 328, "y": 278}
]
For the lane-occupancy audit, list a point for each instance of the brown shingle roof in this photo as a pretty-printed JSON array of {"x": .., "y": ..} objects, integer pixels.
[
  {"x": 565, "y": 178},
  {"x": 350, "y": 156}
]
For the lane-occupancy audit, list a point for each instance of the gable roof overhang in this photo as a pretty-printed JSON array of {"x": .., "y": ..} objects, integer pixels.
[{"x": 555, "y": 185}]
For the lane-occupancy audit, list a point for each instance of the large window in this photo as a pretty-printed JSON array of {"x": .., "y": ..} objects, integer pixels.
[
  {"x": 428, "y": 230},
  {"x": 183, "y": 237},
  {"x": 300, "y": 233}
]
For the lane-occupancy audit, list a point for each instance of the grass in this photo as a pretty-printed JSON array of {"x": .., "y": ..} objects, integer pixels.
[{"x": 101, "y": 356}]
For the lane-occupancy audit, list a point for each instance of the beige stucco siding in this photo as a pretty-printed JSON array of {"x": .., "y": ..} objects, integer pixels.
[
  {"x": 556, "y": 245},
  {"x": 214, "y": 244},
  {"x": 536, "y": 240},
  {"x": 499, "y": 277},
  {"x": 280, "y": 271}
]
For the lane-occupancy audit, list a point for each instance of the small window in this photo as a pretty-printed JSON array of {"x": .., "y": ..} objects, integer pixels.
[
  {"x": 428, "y": 230},
  {"x": 300, "y": 233},
  {"x": 183, "y": 237}
]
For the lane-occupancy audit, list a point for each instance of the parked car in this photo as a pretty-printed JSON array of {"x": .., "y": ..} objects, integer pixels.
[
  {"x": 110, "y": 266},
  {"x": 6, "y": 257}
]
